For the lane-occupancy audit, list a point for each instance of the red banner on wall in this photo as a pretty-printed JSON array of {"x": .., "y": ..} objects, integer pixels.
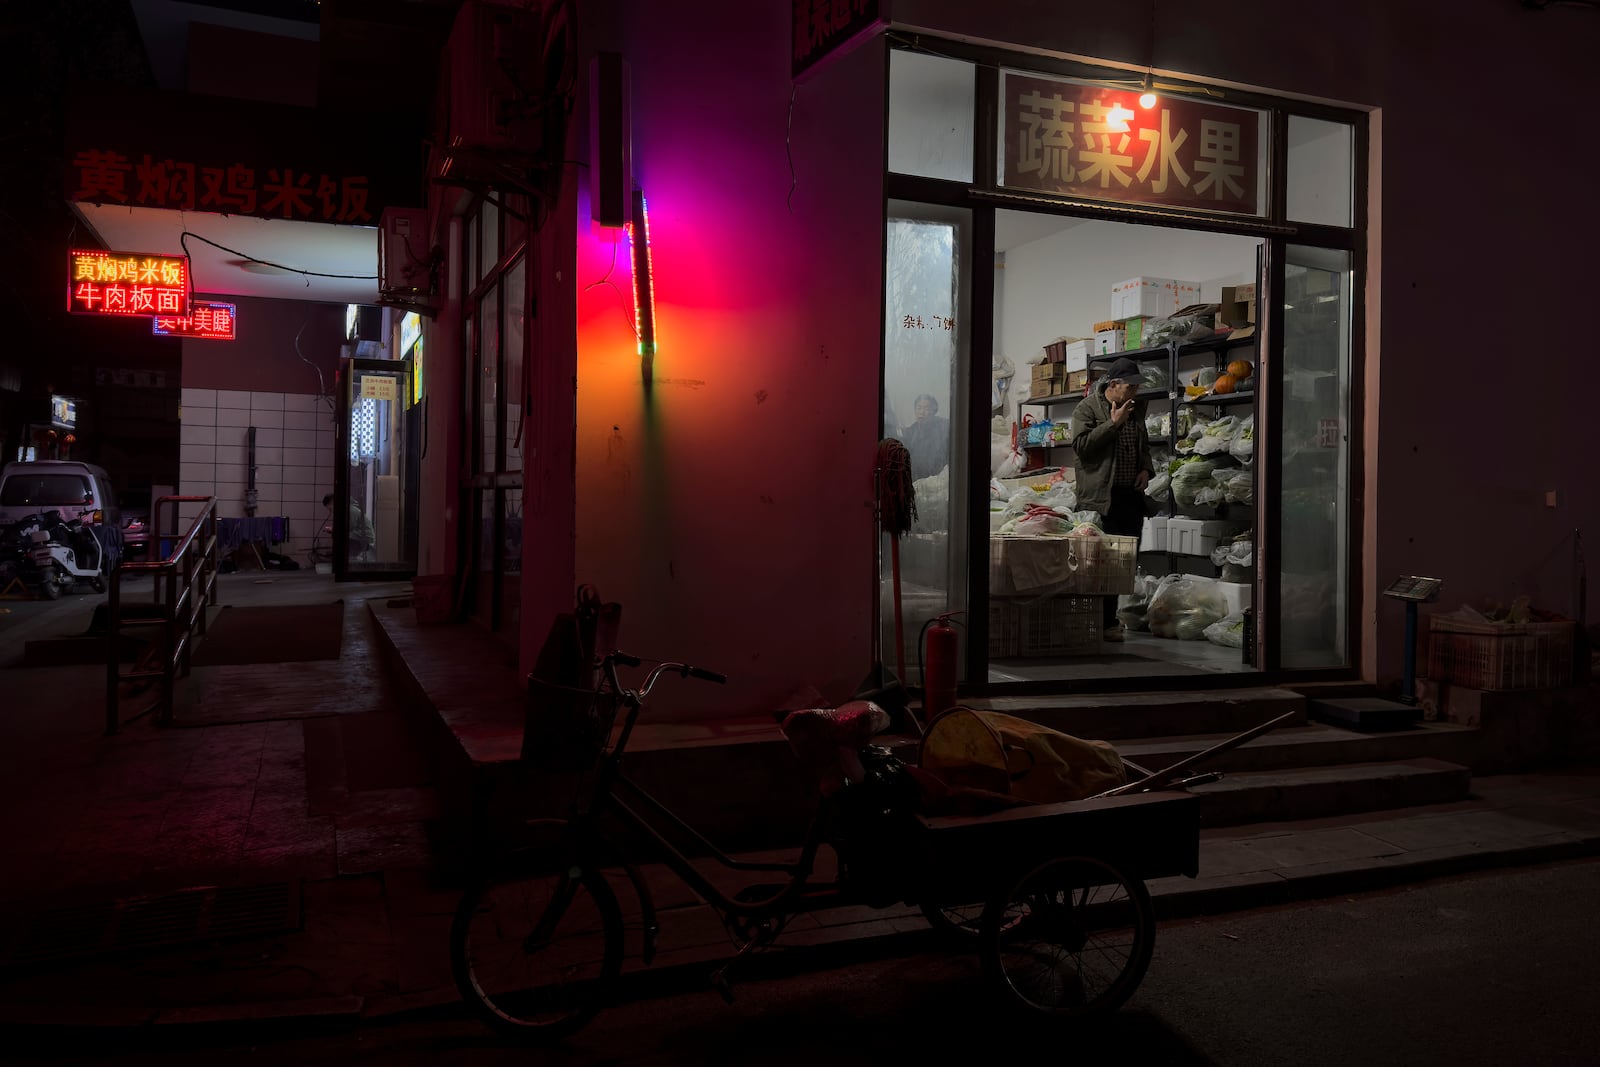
[
  {"x": 1089, "y": 141},
  {"x": 822, "y": 26},
  {"x": 127, "y": 283}
]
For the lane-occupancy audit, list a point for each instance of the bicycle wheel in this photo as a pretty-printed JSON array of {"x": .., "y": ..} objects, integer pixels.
[
  {"x": 960, "y": 923},
  {"x": 1072, "y": 939},
  {"x": 535, "y": 952}
]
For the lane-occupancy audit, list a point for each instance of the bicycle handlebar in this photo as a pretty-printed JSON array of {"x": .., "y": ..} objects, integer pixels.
[{"x": 683, "y": 670}]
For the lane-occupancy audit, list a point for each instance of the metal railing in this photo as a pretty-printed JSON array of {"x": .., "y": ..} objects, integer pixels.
[{"x": 176, "y": 607}]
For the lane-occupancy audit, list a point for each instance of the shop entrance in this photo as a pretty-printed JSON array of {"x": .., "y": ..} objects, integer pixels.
[
  {"x": 1045, "y": 222},
  {"x": 374, "y": 482}
]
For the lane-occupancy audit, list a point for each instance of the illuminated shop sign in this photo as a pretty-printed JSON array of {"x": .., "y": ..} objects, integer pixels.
[
  {"x": 1092, "y": 142},
  {"x": 63, "y": 413},
  {"x": 104, "y": 176},
  {"x": 206, "y": 320},
  {"x": 127, "y": 283},
  {"x": 822, "y": 27}
]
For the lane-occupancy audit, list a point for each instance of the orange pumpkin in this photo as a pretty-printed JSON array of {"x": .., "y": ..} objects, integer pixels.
[
  {"x": 1224, "y": 384},
  {"x": 1240, "y": 369}
]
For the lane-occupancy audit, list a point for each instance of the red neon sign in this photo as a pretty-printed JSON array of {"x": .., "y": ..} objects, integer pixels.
[
  {"x": 207, "y": 320},
  {"x": 127, "y": 283}
]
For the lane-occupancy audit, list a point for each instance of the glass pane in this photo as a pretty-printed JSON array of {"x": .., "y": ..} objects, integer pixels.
[
  {"x": 491, "y": 236},
  {"x": 376, "y": 469},
  {"x": 1313, "y": 537},
  {"x": 1321, "y": 171},
  {"x": 472, "y": 253},
  {"x": 511, "y": 560},
  {"x": 516, "y": 220},
  {"x": 516, "y": 333},
  {"x": 488, "y": 378},
  {"x": 931, "y": 106},
  {"x": 924, "y": 359},
  {"x": 484, "y": 587}
]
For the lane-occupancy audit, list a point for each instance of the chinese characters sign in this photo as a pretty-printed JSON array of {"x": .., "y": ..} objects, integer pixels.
[
  {"x": 108, "y": 177},
  {"x": 206, "y": 320},
  {"x": 820, "y": 26},
  {"x": 380, "y": 387},
  {"x": 127, "y": 283},
  {"x": 1088, "y": 141}
]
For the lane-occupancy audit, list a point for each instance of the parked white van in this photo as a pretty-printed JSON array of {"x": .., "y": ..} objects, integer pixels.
[{"x": 76, "y": 490}]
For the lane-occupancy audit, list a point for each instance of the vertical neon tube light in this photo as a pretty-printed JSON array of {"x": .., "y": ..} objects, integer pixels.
[{"x": 644, "y": 284}]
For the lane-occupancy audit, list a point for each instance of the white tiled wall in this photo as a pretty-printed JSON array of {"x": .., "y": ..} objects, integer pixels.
[{"x": 294, "y": 457}]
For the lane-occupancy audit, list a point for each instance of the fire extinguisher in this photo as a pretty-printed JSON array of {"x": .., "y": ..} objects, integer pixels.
[{"x": 939, "y": 666}]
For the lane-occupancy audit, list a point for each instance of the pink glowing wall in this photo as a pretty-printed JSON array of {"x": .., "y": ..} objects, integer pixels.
[{"x": 729, "y": 507}]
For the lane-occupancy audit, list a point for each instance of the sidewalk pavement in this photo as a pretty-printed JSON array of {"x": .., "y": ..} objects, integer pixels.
[{"x": 323, "y": 814}]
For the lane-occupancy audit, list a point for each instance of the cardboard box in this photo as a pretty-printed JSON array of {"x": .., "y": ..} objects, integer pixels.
[
  {"x": 1056, "y": 351},
  {"x": 1077, "y": 356},
  {"x": 1077, "y": 382},
  {"x": 1046, "y": 371},
  {"x": 1238, "y": 305},
  {"x": 1151, "y": 297},
  {"x": 1109, "y": 341},
  {"x": 1109, "y": 324},
  {"x": 1133, "y": 334},
  {"x": 1048, "y": 387}
]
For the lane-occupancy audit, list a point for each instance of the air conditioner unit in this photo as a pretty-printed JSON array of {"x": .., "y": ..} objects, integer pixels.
[
  {"x": 405, "y": 258},
  {"x": 492, "y": 78}
]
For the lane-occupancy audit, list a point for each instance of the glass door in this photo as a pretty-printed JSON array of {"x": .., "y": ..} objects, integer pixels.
[
  {"x": 1314, "y": 523},
  {"x": 925, "y": 362},
  {"x": 371, "y": 495}
]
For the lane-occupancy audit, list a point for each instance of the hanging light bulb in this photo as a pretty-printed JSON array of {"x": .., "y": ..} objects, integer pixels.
[{"x": 1147, "y": 99}]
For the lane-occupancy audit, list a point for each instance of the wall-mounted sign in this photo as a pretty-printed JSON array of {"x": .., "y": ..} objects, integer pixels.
[
  {"x": 131, "y": 377},
  {"x": 105, "y": 176},
  {"x": 206, "y": 320},
  {"x": 1087, "y": 141},
  {"x": 410, "y": 331},
  {"x": 380, "y": 387},
  {"x": 127, "y": 283},
  {"x": 822, "y": 27},
  {"x": 63, "y": 413}
]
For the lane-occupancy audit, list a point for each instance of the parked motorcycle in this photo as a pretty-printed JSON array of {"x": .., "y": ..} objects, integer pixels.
[{"x": 51, "y": 554}]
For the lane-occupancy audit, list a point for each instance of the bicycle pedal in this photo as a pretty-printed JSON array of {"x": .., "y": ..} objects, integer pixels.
[{"x": 719, "y": 982}]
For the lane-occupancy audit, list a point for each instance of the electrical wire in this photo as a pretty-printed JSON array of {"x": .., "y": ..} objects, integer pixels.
[
  {"x": 606, "y": 280},
  {"x": 186, "y": 234},
  {"x": 788, "y": 147}
]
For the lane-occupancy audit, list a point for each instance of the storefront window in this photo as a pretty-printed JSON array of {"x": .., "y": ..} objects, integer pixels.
[
  {"x": 1313, "y": 535},
  {"x": 925, "y": 347},
  {"x": 1321, "y": 172},
  {"x": 930, "y": 116},
  {"x": 488, "y": 378},
  {"x": 491, "y": 236},
  {"x": 514, "y": 296}
]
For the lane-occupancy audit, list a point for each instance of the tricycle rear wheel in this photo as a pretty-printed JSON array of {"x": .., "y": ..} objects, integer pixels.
[{"x": 1071, "y": 939}]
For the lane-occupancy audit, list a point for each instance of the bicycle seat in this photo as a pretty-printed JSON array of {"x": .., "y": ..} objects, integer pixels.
[{"x": 828, "y": 739}]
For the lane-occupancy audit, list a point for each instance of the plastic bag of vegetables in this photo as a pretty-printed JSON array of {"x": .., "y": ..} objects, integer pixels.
[
  {"x": 1227, "y": 631},
  {"x": 1191, "y": 477},
  {"x": 1243, "y": 445},
  {"x": 1217, "y": 436},
  {"x": 1132, "y": 610},
  {"x": 1159, "y": 487},
  {"x": 1184, "y": 605},
  {"x": 1237, "y": 484}
]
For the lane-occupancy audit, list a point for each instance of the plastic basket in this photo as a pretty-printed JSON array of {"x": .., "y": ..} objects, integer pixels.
[
  {"x": 1533, "y": 655},
  {"x": 1003, "y": 632},
  {"x": 566, "y": 729},
  {"x": 1058, "y": 625},
  {"x": 1077, "y": 566}
]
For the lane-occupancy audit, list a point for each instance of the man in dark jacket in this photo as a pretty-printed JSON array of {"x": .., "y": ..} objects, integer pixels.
[{"x": 1112, "y": 455}]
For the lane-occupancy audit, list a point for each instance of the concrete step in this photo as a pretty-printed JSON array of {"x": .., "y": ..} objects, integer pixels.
[
  {"x": 1320, "y": 792},
  {"x": 1312, "y": 745},
  {"x": 1141, "y": 715},
  {"x": 1364, "y": 713}
]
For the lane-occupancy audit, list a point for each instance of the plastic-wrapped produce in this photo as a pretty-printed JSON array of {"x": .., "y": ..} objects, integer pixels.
[
  {"x": 1227, "y": 631},
  {"x": 1183, "y": 605},
  {"x": 1217, "y": 436},
  {"x": 1159, "y": 487},
  {"x": 1237, "y": 484},
  {"x": 1191, "y": 477},
  {"x": 1132, "y": 610},
  {"x": 1243, "y": 445},
  {"x": 1176, "y": 328}
]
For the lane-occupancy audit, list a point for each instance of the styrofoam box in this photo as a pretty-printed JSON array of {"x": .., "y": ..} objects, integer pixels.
[
  {"x": 1183, "y": 535},
  {"x": 1235, "y": 594},
  {"x": 1078, "y": 355},
  {"x": 1108, "y": 341},
  {"x": 1145, "y": 296},
  {"x": 1153, "y": 538}
]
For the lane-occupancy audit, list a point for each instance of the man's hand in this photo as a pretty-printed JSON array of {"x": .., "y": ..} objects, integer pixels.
[
  {"x": 1143, "y": 480},
  {"x": 1119, "y": 412}
]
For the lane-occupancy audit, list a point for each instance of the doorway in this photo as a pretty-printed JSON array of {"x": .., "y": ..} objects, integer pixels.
[{"x": 374, "y": 480}]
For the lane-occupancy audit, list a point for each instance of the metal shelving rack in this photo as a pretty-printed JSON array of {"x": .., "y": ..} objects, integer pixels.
[{"x": 1169, "y": 354}]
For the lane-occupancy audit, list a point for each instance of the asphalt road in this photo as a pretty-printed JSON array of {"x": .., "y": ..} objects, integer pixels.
[{"x": 1496, "y": 968}]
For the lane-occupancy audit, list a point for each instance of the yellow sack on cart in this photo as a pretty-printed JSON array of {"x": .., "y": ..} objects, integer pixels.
[{"x": 967, "y": 748}]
